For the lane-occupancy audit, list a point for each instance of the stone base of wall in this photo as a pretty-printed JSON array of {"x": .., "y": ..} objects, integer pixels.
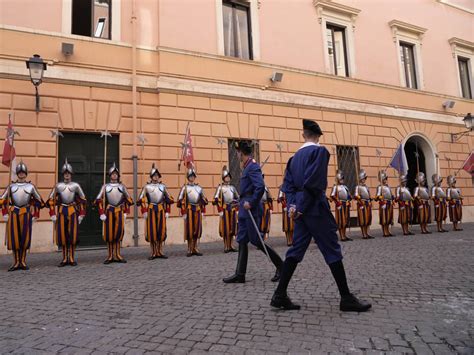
[{"x": 42, "y": 240}]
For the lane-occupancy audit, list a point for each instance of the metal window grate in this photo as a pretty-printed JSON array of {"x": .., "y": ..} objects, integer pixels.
[
  {"x": 348, "y": 161},
  {"x": 234, "y": 162}
]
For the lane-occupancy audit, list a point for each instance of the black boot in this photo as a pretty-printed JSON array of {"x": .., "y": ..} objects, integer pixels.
[
  {"x": 280, "y": 298},
  {"x": 349, "y": 302},
  {"x": 276, "y": 260},
  {"x": 241, "y": 269}
]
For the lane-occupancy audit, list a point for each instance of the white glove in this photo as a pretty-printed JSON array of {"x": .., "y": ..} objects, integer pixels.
[
  {"x": 285, "y": 209},
  {"x": 145, "y": 215},
  {"x": 33, "y": 220},
  {"x": 5, "y": 217},
  {"x": 54, "y": 218},
  {"x": 124, "y": 216},
  {"x": 103, "y": 217},
  {"x": 167, "y": 215},
  {"x": 80, "y": 218},
  {"x": 184, "y": 216},
  {"x": 203, "y": 216},
  {"x": 221, "y": 214},
  {"x": 271, "y": 211}
]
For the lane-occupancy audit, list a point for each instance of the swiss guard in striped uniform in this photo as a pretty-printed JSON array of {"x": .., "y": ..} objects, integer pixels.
[
  {"x": 422, "y": 199},
  {"x": 439, "y": 198},
  {"x": 267, "y": 205},
  {"x": 155, "y": 203},
  {"x": 364, "y": 205},
  {"x": 226, "y": 199},
  {"x": 67, "y": 208},
  {"x": 114, "y": 204},
  {"x": 288, "y": 224},
  {"x": 385, "y": 198},
  {"x": 341, "y": 197},
  {"x": 21, "y": 204},
  {"x": 192, "y": 203},
  {"x": 455, "y": 203},
  {"x": 405, "y": 205}
]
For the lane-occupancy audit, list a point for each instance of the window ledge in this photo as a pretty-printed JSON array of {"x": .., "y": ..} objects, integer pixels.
[
  {"x": 458, "y": 44},
  {"x": 324, "y": 6},
  {"x": 404, "y": 27}
]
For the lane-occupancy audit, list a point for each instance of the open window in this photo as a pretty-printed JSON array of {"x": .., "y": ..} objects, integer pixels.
[{"x": 92, "y": 18}]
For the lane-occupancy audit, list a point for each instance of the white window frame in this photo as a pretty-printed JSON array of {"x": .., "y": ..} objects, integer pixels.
[
  {"x": 115, "y": 33},
  {"x": 405, "y": 32},
  {"x": 254, "y": 6},
  {"x": 342, "y": 16},
  {"x": 465, "y": 49}
]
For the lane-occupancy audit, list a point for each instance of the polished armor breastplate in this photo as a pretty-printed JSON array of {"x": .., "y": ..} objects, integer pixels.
[
  {"x": 155, "y": 193},
  {"x": 342, "y": 192},
  {"x": 265, "y": 196},
  {"x": 21, "y": 193},
  {"x": 454, "y": 194},
  {"x": 404, "y": 194},
  {"x": 423, "y": 193},
  {"x": 194, "y": 194},
  {"x": 67, "y": 192},
  {"x": 114, "y": 193},
  {"x": 386, "y": 193},
  {"x": 227, "y": 193},
  {"x": 439, "y": 192},
  {"x": 364, "y": 192}
]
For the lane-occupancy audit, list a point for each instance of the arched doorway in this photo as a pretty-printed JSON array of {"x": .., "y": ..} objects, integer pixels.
[{"x": 427, "y": 163}]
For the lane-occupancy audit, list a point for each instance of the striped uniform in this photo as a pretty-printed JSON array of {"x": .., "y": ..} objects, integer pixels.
[
  {"x": 439, "y": 197},
  {"x": 385, "y": 198},
  {"x": 405, "y": 205},
  {"x": 192, "y": 203},
  {"x": 22, "y": 202},
  {"x": 114, "y": 201},
  {"x": 455, "y": 204},
  {"x": 364, "y": 205},
  {"x": 226, "y": 200},
  {"x": 66, "y": 201},
  {"x": 422, "y": 198},
  {"x": 267, "y": 204},
  {"x": 342, "y": 199},
  {"x": 288, "y": 224},
  {"x": 156, "y": 202}
]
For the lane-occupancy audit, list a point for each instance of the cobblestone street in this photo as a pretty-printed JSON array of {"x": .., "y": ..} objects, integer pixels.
[{"x": 421, "y": 288}]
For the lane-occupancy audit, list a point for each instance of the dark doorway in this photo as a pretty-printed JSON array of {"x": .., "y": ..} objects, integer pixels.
[
  {"x": 411, "y": 150},
  {"x": 85, "y": 152}
]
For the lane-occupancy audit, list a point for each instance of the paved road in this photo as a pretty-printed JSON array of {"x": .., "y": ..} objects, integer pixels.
[{"x": 421, "y": 288}]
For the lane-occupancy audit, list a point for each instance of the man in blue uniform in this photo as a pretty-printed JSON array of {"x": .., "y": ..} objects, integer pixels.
[
  {"x": 252, "y": 188},
  {"x": 305, "y": 186}
]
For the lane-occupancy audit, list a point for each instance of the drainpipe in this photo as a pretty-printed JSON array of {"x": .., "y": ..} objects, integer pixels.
[{"x": 134, "y": 120}]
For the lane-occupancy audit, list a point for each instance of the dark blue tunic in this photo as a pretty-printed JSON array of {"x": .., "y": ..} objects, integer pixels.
[
  {"x": 252, "y": 188},
  {"x": 305, "y": 187}
]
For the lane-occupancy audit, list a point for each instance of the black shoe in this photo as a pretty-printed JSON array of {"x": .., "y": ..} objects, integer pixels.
[
  {"x": 62, "y": 264},
  {"x": 197, "y": 253},
  {"x": 276, "y": 277},
  {"x": 162, "y": 256},
  {"x": 151, "y": 257},
  {"x": 370, "y": 237},
  {"x": 283, "y": 302},
  {"x": 108, "y": 261},
  {"x": 74, "y": 263},
  {"x": 226, "y": 251},
  {"x": 233, "y": 250},
  {"x": 122, "y": 261},
  {"x": 351, "y": 303},
  {"x": 13, "y": 268},
  {"x": 234, "y": 279},
  {"x": 24, "y": 267},
  {"x": 189, "y": 254}
]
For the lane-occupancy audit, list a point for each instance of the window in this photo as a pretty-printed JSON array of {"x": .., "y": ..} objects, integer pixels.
[
  {"x": 348, "y": 163},
  {"x": 237, "y": 30},
  {"x": 337, "y": 50},
  {"x": 408, "y": 39},
  {"x": 465, "y": 77},
  {"x": 234, "y": 162},
  {"x": 92, "y": 18},
  {"x": 407, "y": 57}
]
